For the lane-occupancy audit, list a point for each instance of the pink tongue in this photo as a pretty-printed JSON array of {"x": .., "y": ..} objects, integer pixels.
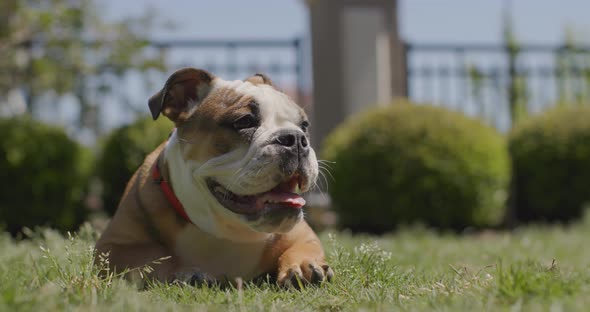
[{"x": 280, "y": 197}]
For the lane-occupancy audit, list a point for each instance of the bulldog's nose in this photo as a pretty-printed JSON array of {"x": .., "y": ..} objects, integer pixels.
[{"x": 293, "y": 140}]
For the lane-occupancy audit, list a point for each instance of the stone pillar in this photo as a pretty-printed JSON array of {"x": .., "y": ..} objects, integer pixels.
[{"x": 358, "y": 59}]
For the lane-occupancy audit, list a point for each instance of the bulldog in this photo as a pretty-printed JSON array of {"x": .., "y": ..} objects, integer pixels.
[{"x": 220, "y": 200}]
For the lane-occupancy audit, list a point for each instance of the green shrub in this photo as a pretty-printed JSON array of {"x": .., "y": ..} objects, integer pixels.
[
  {"x": 123, "y": 152},
  {"x": 43, "y": 176},
  {"x": 409, "y": 163},
  {"x": 551, "y": 161}
]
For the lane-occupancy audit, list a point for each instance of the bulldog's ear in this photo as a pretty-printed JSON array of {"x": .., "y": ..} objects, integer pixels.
[
  {"x": 260, "y": 79},
  {"x": 184, "y": 89}
]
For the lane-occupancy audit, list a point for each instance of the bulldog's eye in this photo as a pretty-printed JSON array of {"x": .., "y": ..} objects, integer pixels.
[
  {"x": 304, "y": 125},
  {"x": 245, "y": 122}
]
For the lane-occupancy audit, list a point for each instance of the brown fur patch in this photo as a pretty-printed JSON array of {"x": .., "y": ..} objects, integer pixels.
[
  {"x": 208, "y": 132},
  {"x": 260, "y": 79},
  {"x": 182, "y": 87}
]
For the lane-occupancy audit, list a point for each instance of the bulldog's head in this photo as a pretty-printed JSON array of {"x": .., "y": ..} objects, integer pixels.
[{"x": 240, "y": 155}]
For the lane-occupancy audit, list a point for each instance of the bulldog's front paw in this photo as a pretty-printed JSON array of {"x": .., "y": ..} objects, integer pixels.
[
  {"x": 304, "y": 273},
  {"x": 193, "y": 278}
]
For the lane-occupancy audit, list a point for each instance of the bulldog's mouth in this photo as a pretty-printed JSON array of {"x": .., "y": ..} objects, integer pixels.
[{"x": 282, "y": 196}]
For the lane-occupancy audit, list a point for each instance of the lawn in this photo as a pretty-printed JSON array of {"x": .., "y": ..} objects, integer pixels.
[{"x": 534, "y": 268}]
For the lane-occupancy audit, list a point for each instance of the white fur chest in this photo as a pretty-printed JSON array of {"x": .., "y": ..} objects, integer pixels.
[{"x": 219, "y": 258}]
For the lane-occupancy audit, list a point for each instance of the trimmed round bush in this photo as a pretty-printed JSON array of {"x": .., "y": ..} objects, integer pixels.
[
  {"x": 551, "y": 163},
  {"x": 123, "y": 152},
  {"x": 408, "y": 163},
  {"x": 43, "y": 176}
]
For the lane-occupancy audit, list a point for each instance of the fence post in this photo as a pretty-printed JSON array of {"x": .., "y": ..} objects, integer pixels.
[{"x": 358, "y": 59}]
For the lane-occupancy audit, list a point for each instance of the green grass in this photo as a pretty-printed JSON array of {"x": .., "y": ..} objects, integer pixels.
[{"x": 535, "y": 268}]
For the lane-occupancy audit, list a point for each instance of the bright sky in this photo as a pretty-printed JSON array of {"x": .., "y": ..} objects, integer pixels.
[{"x": 538, "y": 21}]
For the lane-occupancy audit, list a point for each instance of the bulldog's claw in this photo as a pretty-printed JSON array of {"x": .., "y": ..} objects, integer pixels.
[
  {"x": 329, "y": 272},
  {"x": 298, "y": 276}
]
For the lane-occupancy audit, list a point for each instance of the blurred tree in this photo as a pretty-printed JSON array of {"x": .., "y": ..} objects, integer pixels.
[{"x": 67, "y": 46}]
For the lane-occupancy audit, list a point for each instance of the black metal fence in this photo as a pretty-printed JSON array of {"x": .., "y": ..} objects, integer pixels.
[
  {"x": 237, "y": 59},
  {"x": 481, "y": 80}
]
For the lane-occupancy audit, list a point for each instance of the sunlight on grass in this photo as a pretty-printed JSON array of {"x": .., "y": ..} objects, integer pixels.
[{"x": 536, "y": 267}]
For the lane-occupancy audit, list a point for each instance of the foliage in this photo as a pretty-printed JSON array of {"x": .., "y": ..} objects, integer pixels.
[
  {"x": 572, "y": 72},
  {"x": 123, "y": 152},
  {"x": 517, "y": 86},
  {"x": 43, "y": 176},
  {"x": 414, "y": 270},
  {"x": 415, "y": 163},
  {"x": 66, "y": 46},
  {"x": 551, "y": 161}
]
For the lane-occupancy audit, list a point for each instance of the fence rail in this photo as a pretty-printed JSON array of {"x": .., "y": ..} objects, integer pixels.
[
  {"x": 485, "y": 80},
  {"x": 232, "y": 64}
]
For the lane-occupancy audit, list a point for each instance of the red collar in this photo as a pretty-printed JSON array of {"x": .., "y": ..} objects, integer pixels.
[{"x": 169, "y": 193}]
